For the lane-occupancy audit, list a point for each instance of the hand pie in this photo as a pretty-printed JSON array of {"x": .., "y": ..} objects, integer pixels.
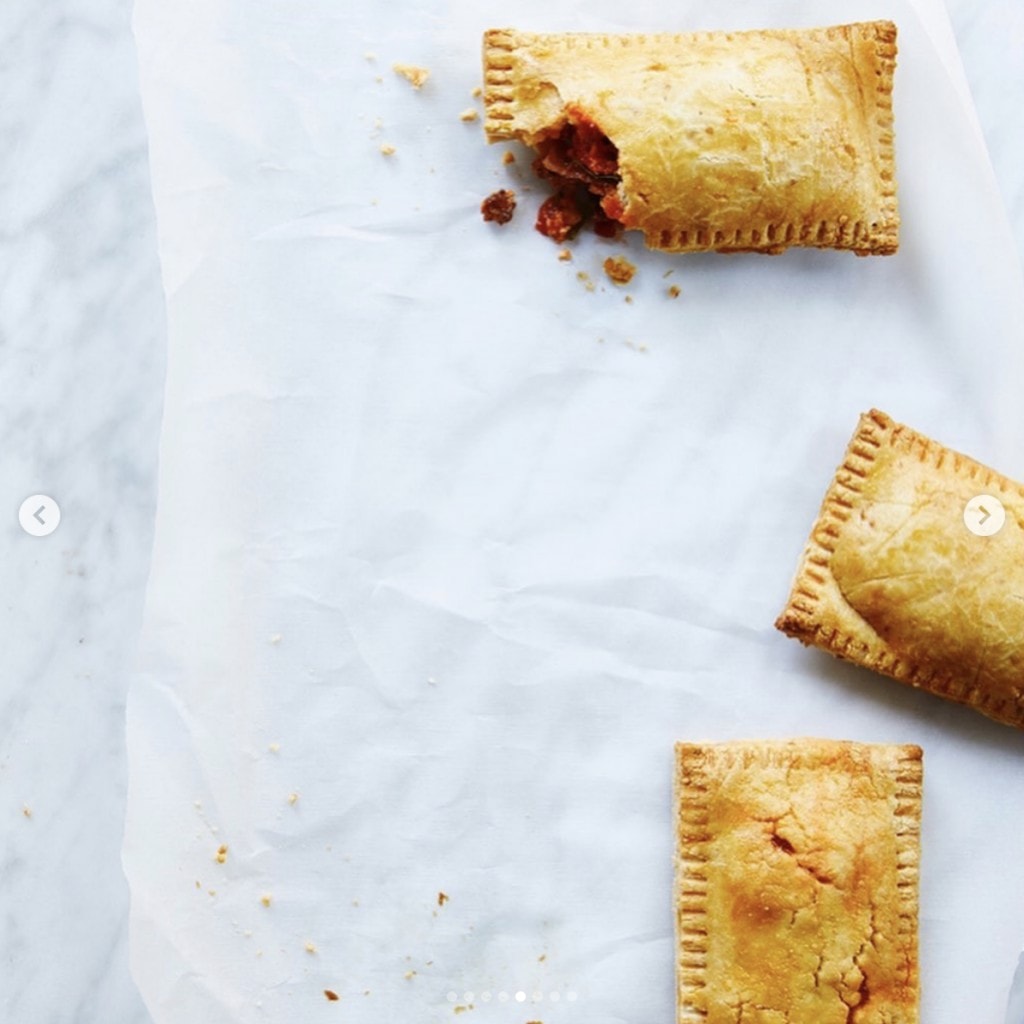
[
  {"x": 731, "y": 141},
  {"x": 893, "y": 579},
  {"x": 796, "y": 882}
]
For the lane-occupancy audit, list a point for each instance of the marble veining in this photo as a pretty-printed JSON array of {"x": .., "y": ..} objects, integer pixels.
[{"x": 82, "y": 342}]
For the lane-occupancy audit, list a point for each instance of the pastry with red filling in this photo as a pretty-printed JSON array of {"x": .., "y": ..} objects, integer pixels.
[{"x": 728, "y": 141}]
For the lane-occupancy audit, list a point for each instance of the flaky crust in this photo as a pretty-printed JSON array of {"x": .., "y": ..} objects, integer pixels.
[
  {"x": 796, "y": 882},
  {"x": 892, "y": 579},
  {"x": 732, "y": 141}
]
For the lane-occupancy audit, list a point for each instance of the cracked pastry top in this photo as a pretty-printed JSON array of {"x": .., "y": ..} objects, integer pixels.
[
  {"x": 892, "y": 579},
  {"x": 728, "y": 141},
  {"x": 796, "y": 882}
]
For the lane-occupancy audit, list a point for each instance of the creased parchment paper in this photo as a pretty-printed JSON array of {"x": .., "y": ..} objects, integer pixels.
[{"x": 451, "y": 547}]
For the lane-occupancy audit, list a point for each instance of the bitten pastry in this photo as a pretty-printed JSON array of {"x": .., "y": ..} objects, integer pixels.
[
  {"x": 796, "y": 882},
  {"x": 728, "y": 141},
  {"x": 893, "y": 579}
]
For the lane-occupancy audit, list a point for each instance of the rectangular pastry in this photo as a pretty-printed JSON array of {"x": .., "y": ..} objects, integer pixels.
[
  {"x": 895, "y": 576},
  {"x": 727, "y": 141},
  {"x": 796, "y": 882}
]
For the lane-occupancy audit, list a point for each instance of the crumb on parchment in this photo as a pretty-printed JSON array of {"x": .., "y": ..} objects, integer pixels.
[
  {"x": 274, "y": 748},
  {"x": 584, "y": 278},
  {"x": 331, "y": 995},
  {"x": 26, "y": 811},
  {"x": 222, "y": 854},
  {"x": 508, "y": 157},
  {"x": 293, "y": 798},
  {"x": 499, "y": 206},
  {"x": 565, "y": 255},
  {"x": 416, "y": 75},
  {"x": 387, "y": 149},
  {"x": 442, "y": 898},
  {"x": 265, "y": 899},
  {"x": 310, "y": 948},
  {"x": 619, "y": 269},
  {"x": 674, "y": 291},
  {"x": 469, "y": 114},
  {"x": 477, "y": 92}
]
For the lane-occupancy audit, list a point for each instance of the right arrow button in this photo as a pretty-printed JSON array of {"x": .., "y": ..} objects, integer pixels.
[{"x": 984, "y": 515}]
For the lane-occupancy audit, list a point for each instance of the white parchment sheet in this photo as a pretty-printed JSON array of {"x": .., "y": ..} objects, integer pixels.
[{"x": 451, "y": 548}]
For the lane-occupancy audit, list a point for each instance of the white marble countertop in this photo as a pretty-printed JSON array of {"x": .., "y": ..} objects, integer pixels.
[{"x": 82, "y": 340}]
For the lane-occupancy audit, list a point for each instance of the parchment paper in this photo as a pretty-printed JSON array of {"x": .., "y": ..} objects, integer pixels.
[{"x": 451, "y": 547}]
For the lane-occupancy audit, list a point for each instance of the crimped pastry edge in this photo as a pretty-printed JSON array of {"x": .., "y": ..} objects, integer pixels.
[
  {"x": 801, "y": 618},
  {"x": 695, "y": 767},
  {"x": 879, "y": 237}
]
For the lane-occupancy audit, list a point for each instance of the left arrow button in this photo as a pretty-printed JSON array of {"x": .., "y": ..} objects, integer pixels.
[{"x": 39, "y": 515}]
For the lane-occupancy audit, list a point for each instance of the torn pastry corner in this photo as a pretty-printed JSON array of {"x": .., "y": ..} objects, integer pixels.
[
  {"x": 687, "y": 179},
  {"x": 520, "y": 101}
]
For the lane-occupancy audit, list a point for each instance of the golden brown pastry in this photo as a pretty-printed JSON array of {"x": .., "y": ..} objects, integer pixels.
[
  {"x": 893, "y": 579},
  {"x": 732, "y": 141},
  {"x": 796, "y": 882}
]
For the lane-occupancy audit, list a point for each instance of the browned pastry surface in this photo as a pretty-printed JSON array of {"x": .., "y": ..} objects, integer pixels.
[
  {"x": 732, "y": 141},
  {"x": 796, "y": 882},
  {"x": 892, "y": 579}
]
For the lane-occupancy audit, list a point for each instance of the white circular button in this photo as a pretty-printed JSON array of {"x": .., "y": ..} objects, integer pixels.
[
  {"x": 984, "y": 515},
  {"x": 39, "y": 515}
]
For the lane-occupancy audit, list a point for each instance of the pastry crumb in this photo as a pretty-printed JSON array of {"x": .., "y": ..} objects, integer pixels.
[
  {"x": 26, "y": 811},
  {"x": 417, "y": 76},
  {"x": 462, "y": 1009},
  {"x": 409, "y": 975},
  {"x": 442, "y": 898},
  {"x": 674, "y": 291},
  {"x": 274, "y": 748},
  {"x": 619, "y": 269},
  {"x": 499, "y": 206},
  {"x": 222, "y": 854},
  {"x": 331, "y": 995},
  {"x": 469, "y": 114},
  {"x": 629, "y": 300},
  {"x": 265, "y": 899},
  {"x": 293, "y": 798},
  {"x": 565, "y": 255},
  {"x": 508, "y": 157},
  {"x": 275, "y": 638},
  {"x": 387, "y": 149},
  {"x": 477, "y": 92},
  {"x": 584, "y": 278},
  {"x": 199, "y": 884},
  {"x": 309, "y": 948}
]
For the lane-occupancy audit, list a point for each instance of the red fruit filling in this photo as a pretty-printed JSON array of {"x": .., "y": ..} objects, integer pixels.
[{"x": 583, "y": 165}]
